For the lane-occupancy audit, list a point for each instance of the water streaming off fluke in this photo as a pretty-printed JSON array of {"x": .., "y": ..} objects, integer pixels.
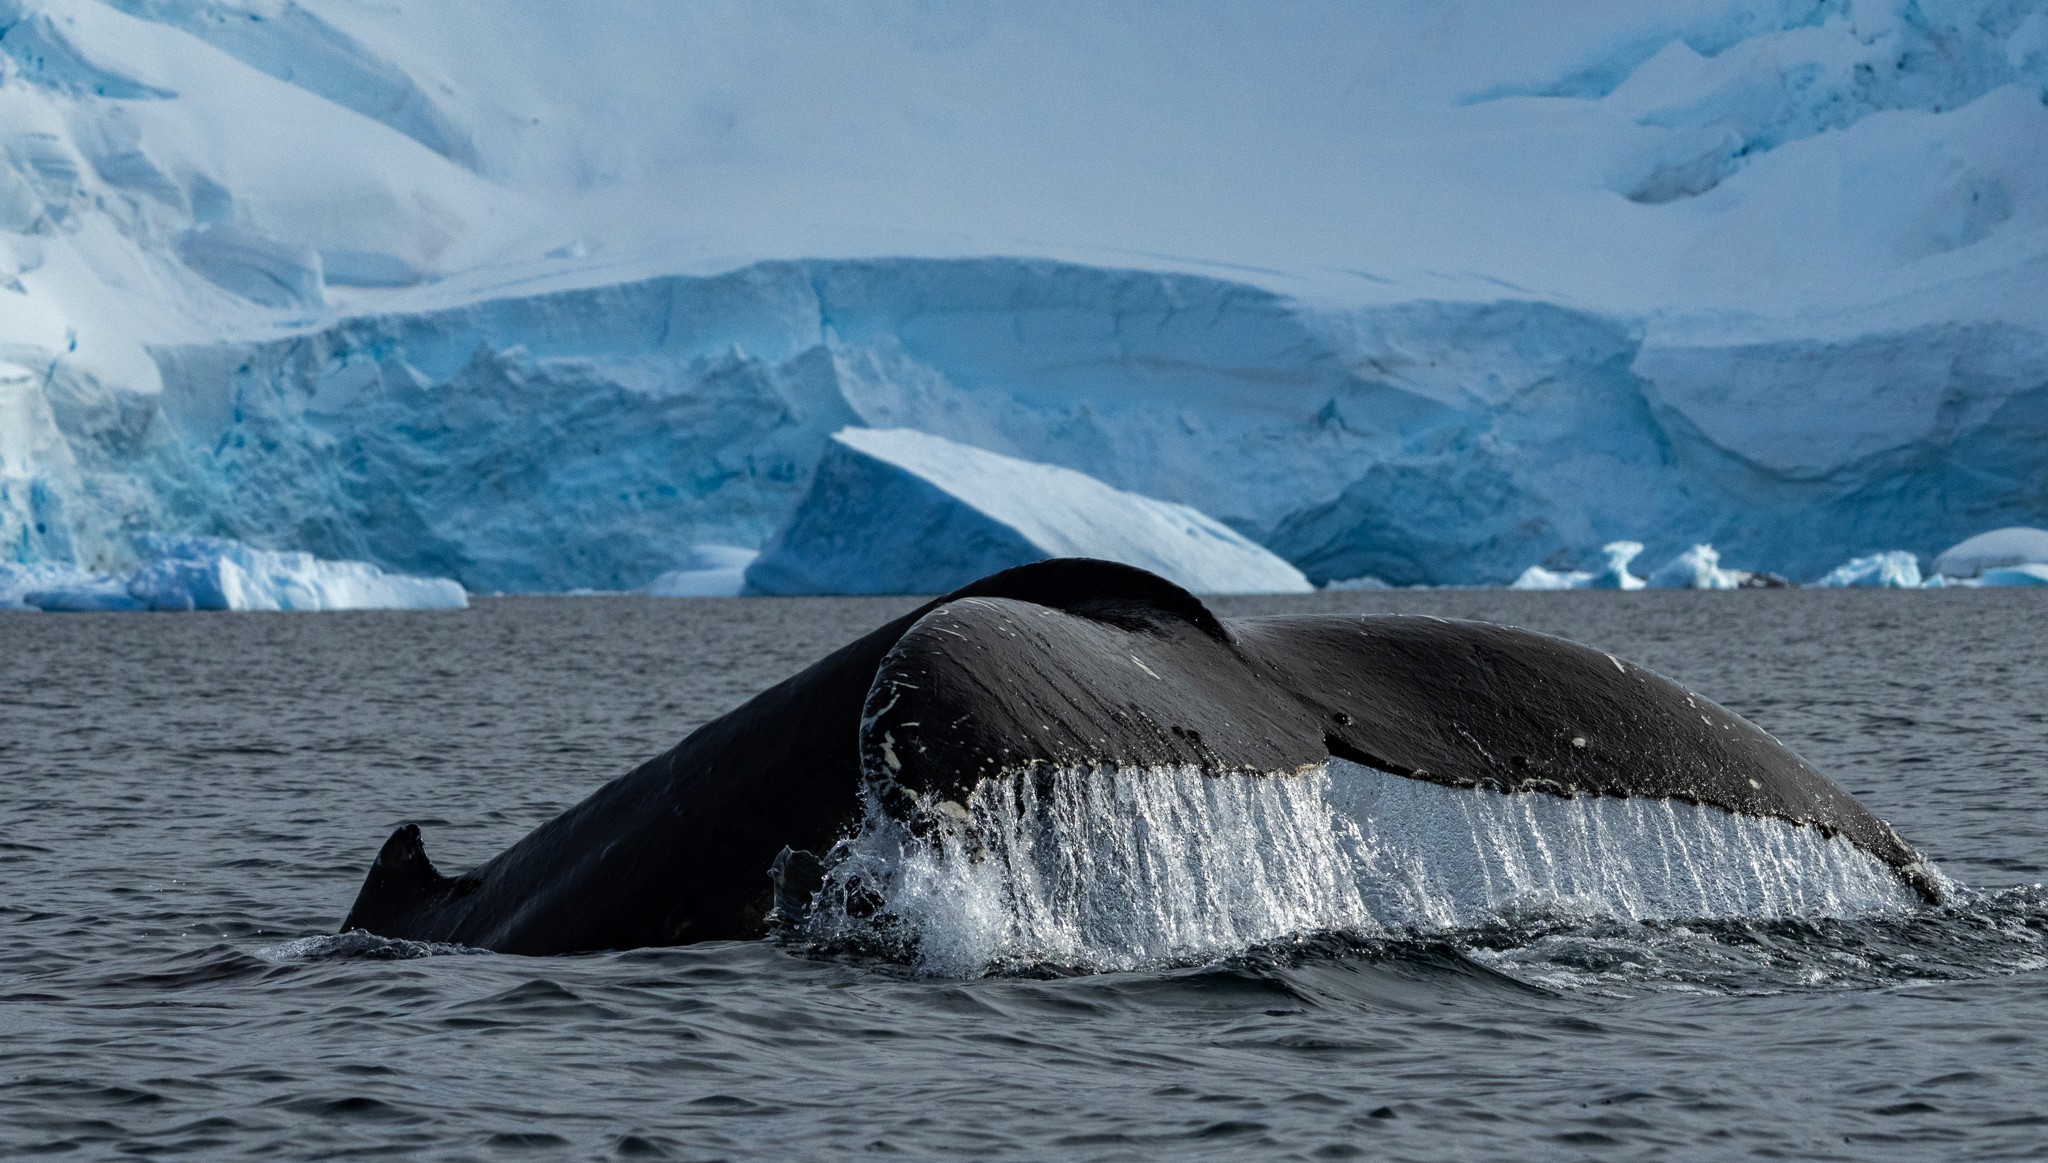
[{"x": 1117, "y": 869}]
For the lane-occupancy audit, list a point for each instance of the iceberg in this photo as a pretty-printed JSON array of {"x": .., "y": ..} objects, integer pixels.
[
  {"x": 711, "y": 571},
  {"x": 1614, "y": 576},
  {"x": 1698, "y": 568},
  {"x": 18, "y": 579},
  {"x": 1998, "y": 549},
  {"x": 212, "y": 573},
  {"x": 1895, "y": 569},
  {"x": 897, "y": 511},
  {"x": 1538, "y": 578},
  {"x": 2030, "y": 574}
]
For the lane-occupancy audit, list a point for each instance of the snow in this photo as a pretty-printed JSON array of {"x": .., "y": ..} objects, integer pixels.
[
  {"x": 712, "y": 571},
  {"x": 1993, "y": 550},
  {"x": 1698, "y": 568},
  {"x": 211, "y": 573},
  {"x": 540, "y": 296},
  {"x": 1894, "y": 569},
  {"x": 901, "y": 511}
]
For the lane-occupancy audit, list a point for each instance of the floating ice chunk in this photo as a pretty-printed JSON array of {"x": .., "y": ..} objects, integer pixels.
[
  {"x": 1615, "y": 576},
  {"x": 713, "y": 571},
  {"x": 2015, "y": 545},
  {"x": 1895, "y": 569},
  {"x": 2033, "y": 573},
  {"x": 1357, "y": 583},
  {"x": 18, "y": 580},
  {"x": 212, "y": 573},
  {"x": 1698, "y": 568},
  {"x": 1538, "y": 578},
  {"x": 901, "y": 511}
]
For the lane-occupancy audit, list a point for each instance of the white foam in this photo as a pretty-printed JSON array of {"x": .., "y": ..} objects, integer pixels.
[{"x": 1119, "y": 869}]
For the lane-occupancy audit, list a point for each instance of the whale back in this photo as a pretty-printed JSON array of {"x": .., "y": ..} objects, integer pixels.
[
  {"x": 1073, "y": 663},
  {"x": 679, "y": 848}
]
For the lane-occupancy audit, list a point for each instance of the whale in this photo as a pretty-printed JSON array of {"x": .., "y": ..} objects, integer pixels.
[{"x": 1073, "y": 664}]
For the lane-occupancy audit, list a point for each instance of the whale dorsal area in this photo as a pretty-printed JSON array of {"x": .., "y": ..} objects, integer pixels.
[
  {"x": 981, "y": 686},
  {"x": 1084, "y": 664},
  {"x": 678, "y": 849}
]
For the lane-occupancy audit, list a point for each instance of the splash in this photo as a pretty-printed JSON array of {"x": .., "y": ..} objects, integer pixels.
[
  {"x": 1106, "y": 869},
  {"x": 1438, "y": 858}
]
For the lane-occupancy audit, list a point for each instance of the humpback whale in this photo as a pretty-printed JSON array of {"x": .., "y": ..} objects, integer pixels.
[{"x": 1077, "y": 664}]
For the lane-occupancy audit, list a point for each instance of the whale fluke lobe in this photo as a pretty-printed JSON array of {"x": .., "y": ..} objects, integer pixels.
[{"x": 1073, "y": 665}]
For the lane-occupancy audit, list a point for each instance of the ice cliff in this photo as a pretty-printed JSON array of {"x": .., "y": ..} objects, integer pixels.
[
  {"x": 712, "y": 571},
  {"x": 542, "y": 297},
  {"x": 894, "y": 511},
  {"x": 211, "y": 573}
]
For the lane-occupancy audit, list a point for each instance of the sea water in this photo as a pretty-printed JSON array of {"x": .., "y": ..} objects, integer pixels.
[{"x": 1122, "y": 965}]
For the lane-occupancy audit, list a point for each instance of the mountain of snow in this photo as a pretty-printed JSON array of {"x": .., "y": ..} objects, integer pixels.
[
  {"x": 897, "y": 511},
  {"x": 543, "y": 296}
]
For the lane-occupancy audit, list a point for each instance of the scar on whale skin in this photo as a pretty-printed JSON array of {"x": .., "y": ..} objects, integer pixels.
[{"x": 1032, "y": 667}]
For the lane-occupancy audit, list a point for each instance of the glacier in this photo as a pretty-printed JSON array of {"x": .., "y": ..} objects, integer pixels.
[
  {"x": 212, "y": 573},
  {"x": 1419, "y": 293},
  {"x": 894, "y": 511}
]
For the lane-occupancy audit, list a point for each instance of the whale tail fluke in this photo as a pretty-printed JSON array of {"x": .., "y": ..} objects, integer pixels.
[{"x": 401, "y": 884}]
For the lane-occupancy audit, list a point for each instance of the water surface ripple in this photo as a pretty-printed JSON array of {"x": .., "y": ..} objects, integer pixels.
[{"x": 191, "y": 801}]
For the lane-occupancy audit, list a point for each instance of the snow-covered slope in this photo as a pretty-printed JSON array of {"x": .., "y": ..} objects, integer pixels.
[
  {"x": 896, "y": 511},
  {"x": 542, "y": 296}
]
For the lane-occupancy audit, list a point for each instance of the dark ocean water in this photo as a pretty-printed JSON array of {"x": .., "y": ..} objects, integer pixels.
[{"x": 189, "y": 798}]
